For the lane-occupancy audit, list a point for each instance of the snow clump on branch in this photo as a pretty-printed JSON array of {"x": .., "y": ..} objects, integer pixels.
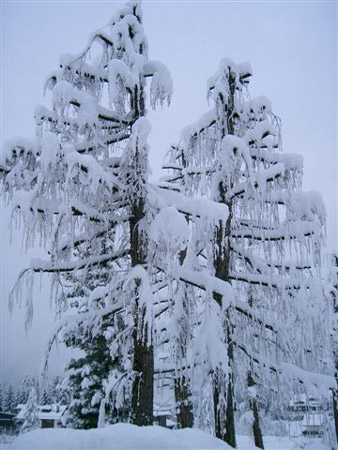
[{"x": 170, "y": 229}]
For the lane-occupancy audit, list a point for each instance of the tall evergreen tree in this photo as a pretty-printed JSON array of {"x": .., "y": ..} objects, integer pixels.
[
  {"x": 83, "y": 182},
  {"x": 332, "y": 293},
  {"x": 267, "y": 248}
]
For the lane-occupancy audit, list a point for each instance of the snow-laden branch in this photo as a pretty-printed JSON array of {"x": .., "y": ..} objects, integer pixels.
[
  {"x": 109, "y": 139},
  {"x": 217, "y": 286},
  {"x": 321, "y": 383},
  {"x": 291, "y": 161},
  {"x": 293, "y": 230},
  {"x": 204, "y": 281},
  {"x": 206, "y": 121},
  {"x": 258, "y": 180},
  {"x": 268, "y": 281},
  {"x": 75, "y": 241},
  {"x": 195, "y": 207},
  {"x": 161, "y": 87},
  {"x": 261, "y": 265},
  {"x": 72, "y": 321},
  {"x": 68, "y": 266}
]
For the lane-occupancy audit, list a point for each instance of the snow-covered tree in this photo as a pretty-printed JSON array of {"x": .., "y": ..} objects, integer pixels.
[
  {"x": 268, "y": 247},
  {"x": 60, "y": 392},
  {"x": 55, "y": 390},
  {"x": 8, "y": 401},
  {"x": 81, "y": 186},
  {"x": 332, "y": 293},
  {"x": 45, "y": 397},
  {"x": 24, "y": 390},
  {"x": 205, "y": 284},
  {"x": 87, "y": 375},
  {"x": 31, "y": 417}
]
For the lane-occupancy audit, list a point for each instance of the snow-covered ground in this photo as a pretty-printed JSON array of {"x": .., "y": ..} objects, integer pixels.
[{"x": 131, "y": 437}]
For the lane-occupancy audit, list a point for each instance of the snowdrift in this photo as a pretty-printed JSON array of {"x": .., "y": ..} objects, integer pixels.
[
  {"x": 118, "y": 437},
  {"x": 131, "y": 437}
]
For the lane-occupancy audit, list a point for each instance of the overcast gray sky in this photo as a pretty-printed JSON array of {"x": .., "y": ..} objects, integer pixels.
[{"x": 292, "y": 47}]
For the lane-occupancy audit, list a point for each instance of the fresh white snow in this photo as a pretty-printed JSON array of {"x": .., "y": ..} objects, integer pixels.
[{"x": 130, "y": 437}]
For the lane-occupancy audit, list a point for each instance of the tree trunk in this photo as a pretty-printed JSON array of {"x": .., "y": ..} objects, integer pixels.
[
  {"x": 185, "y": 417},
  {"x": 143, "y": 362},
  {"x": 224, "y": 408},
  {"x": 335, "y": 356},
  {"x": 335, "y": 402},
  {"x": 217, "y": 407},
  {"x": 142, "y": 397},
  {"x": 230, "y": 434},
  {"x": 223, "y": 399},
  {"x": 257, "y": 433},
  {"x": 256, "y": 427}
]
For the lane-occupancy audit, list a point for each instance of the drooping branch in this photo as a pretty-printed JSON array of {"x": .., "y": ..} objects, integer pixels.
[{"x": 47, "y": 267}]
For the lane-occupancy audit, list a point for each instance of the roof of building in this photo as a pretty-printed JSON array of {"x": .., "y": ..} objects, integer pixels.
[{"x": 46, "y": 412}]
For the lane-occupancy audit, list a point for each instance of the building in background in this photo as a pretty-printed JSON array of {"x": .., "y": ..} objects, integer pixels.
[{"x": 50, "y": 416}]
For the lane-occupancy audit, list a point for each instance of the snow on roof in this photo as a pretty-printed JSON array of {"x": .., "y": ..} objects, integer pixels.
[
  {"x": 162, "y": 412},
  {"x": 46, "y": 412}
]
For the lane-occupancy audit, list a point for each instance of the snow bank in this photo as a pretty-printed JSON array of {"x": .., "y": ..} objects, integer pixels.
[
  {"x": 118, "y": 437},
  {"x": 131, "y": 437}
]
